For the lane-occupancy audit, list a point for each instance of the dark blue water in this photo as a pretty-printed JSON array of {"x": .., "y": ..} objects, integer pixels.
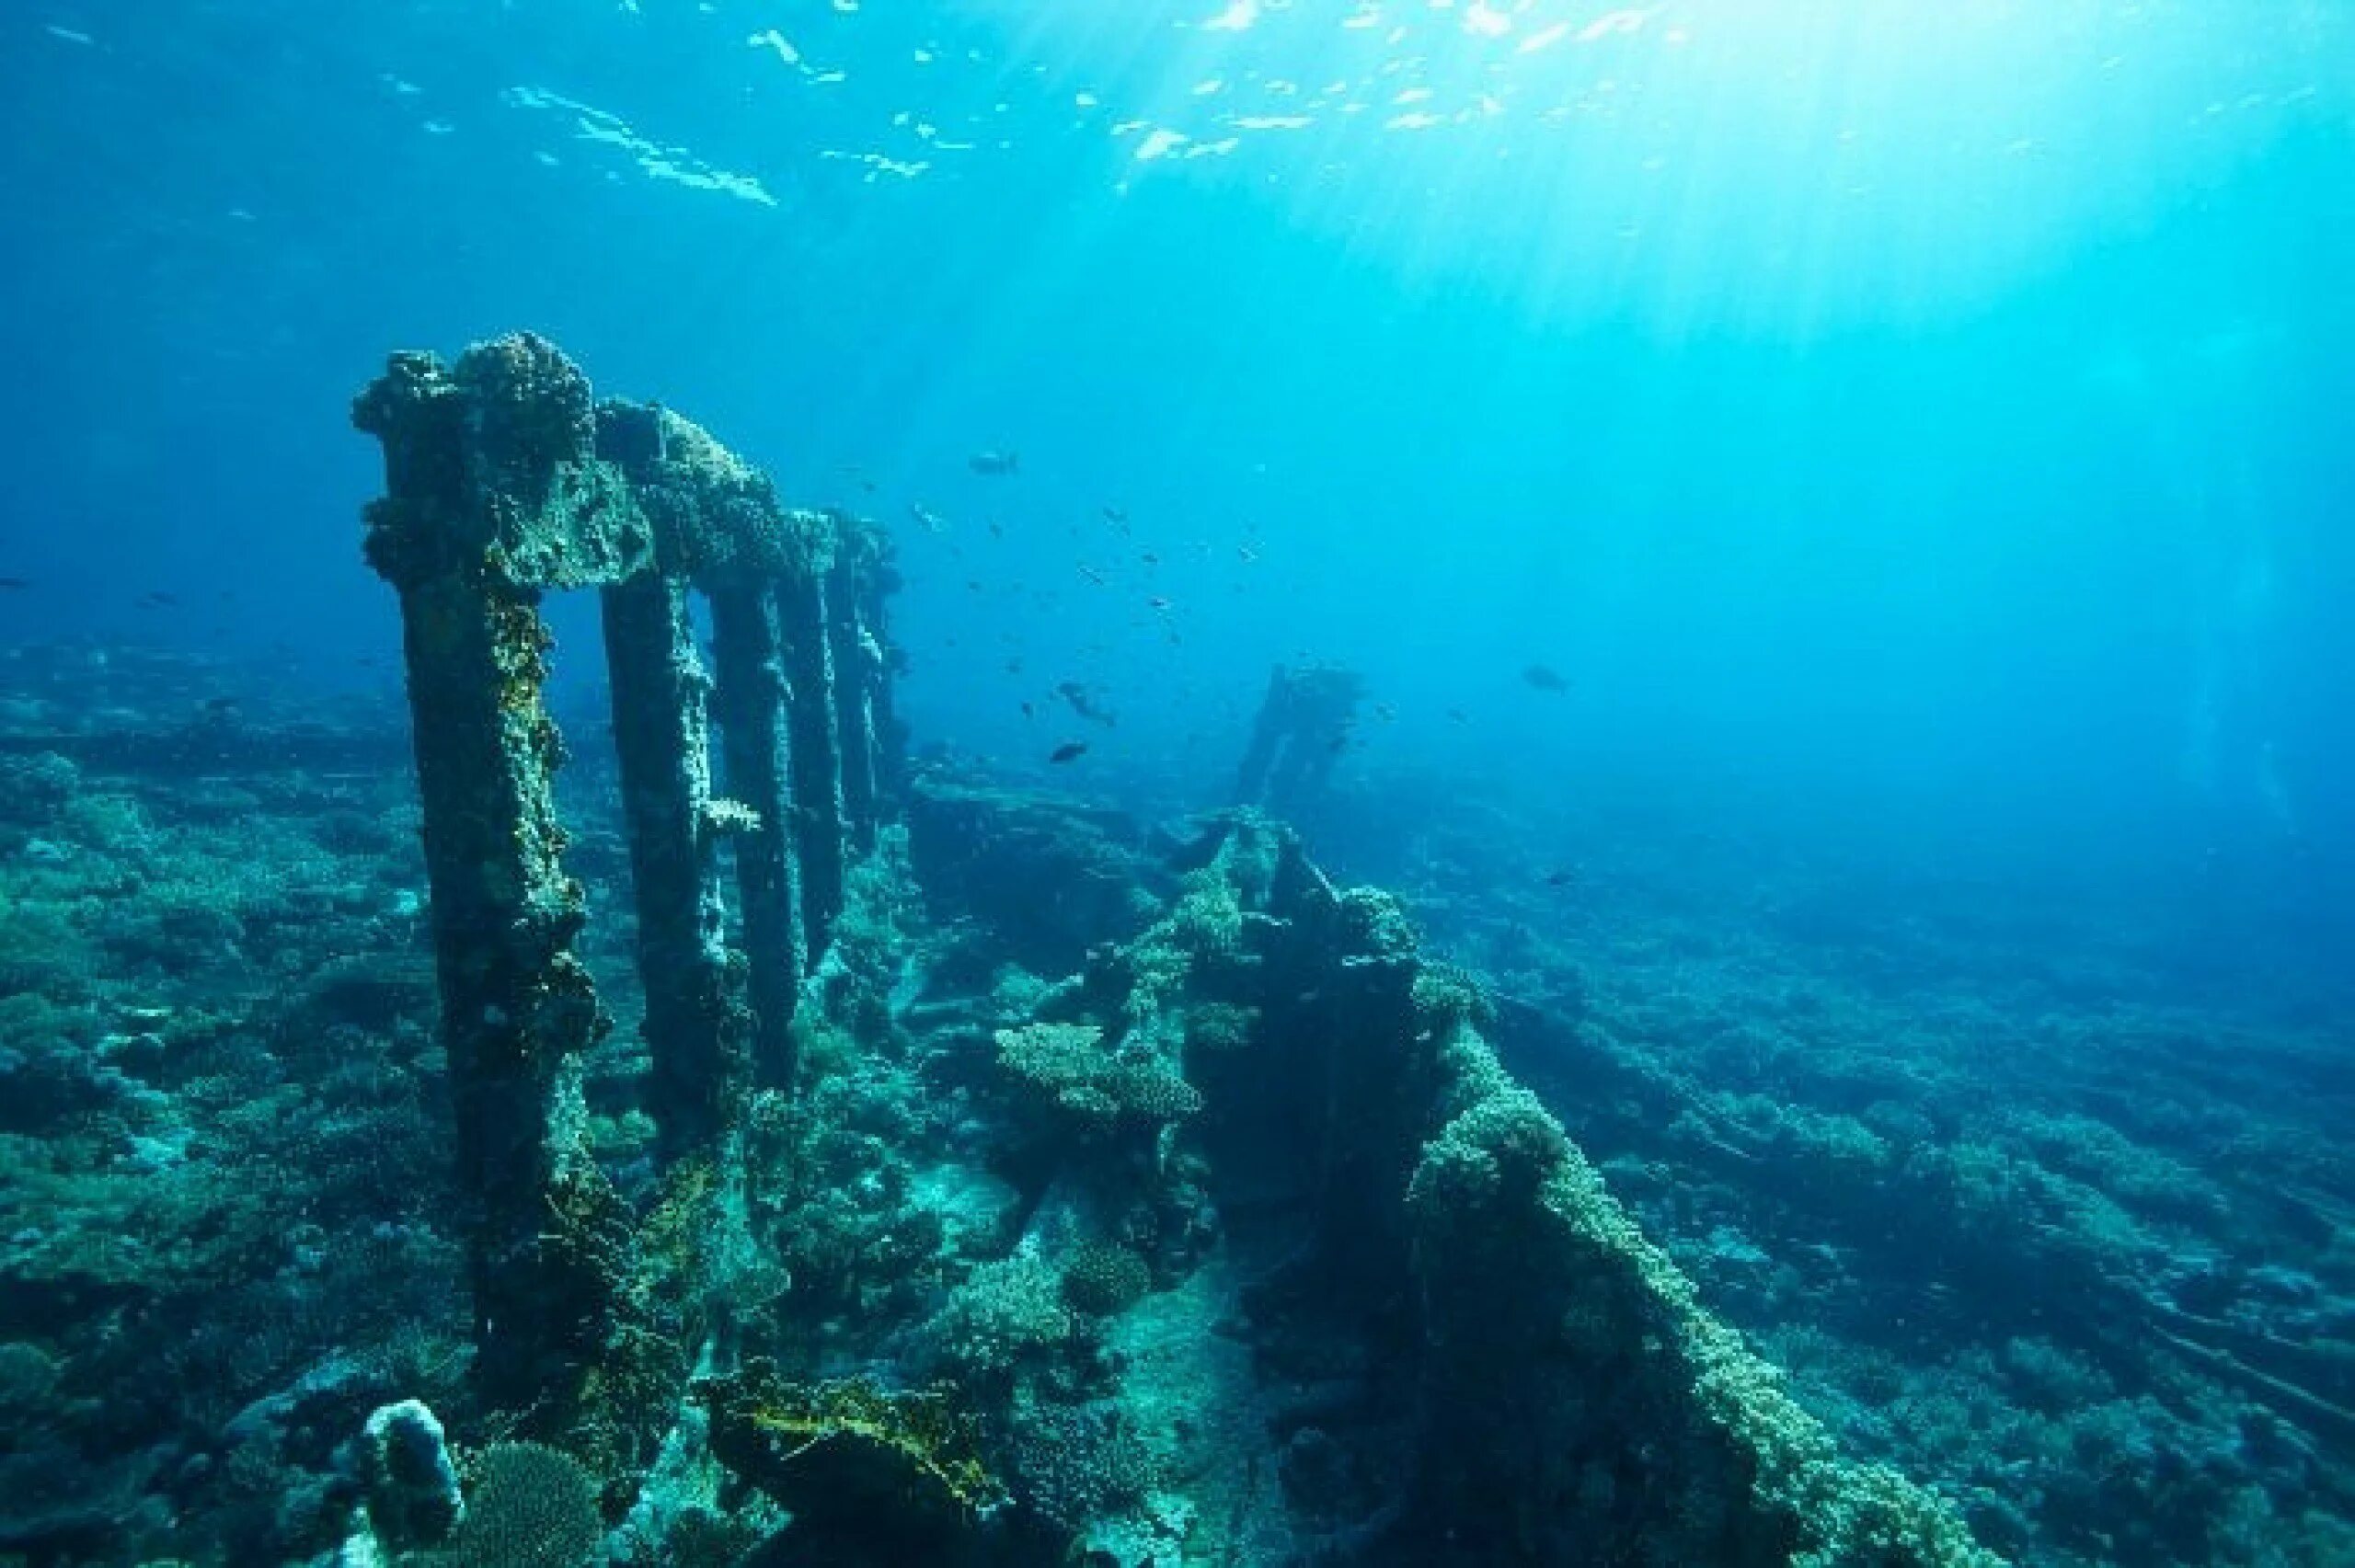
[{"x": 1843, "y": 399}]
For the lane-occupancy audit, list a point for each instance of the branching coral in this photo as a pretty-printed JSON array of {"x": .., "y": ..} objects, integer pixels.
[
  {"x": 529, "y": 1506},
  {"x": 1002, "y": 1314},
  {"x": 1067, "y": 1065},
  {"x": 1219, "y": 1027},
  {"x": 1075, "y": 1464}
]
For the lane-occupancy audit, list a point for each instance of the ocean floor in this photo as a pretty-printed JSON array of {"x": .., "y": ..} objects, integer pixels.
[{"x": 2029, "y": 1205}]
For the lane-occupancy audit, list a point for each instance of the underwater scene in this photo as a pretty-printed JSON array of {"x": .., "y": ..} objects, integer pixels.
[{"x": 1177, "y": 784}]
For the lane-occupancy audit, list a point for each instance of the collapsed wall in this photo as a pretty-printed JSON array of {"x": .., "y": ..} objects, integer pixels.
[{"x": 1536, "y": 1383}]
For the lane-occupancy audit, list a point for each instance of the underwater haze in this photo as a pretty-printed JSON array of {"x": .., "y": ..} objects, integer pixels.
[{"x": 1838, "y": 517}]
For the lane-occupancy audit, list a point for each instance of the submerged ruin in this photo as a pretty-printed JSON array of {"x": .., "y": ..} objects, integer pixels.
[{"x": 1021, "y": 1190}]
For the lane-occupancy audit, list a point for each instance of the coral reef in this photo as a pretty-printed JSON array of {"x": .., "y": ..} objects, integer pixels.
[
  {"x": 1364, "y": 1301},
  {"x": 1011, "y": 1184}
]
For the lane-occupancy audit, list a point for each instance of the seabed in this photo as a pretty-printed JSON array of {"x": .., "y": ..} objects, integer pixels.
[{"x": 741, "y": 1144}]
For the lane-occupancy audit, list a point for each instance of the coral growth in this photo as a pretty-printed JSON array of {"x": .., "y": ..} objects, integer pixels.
[{"x": 852, "y": 1457}]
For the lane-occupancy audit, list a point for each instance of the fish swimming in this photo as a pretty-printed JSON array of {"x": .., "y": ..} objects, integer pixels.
[
  {"x": 1545, "y": 679},
  {"x": 1083, "y": 703},
  {"x": 1069, "y": 751},
  {"x": 995, "y": 464}
]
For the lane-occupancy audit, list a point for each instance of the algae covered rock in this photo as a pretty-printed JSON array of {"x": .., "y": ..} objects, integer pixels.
[{"x": 852, "y": 1459}]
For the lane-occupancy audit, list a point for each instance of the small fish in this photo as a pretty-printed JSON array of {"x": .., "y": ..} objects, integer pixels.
[
  {"x": 1083, "y": 703},
  {"x": 15, "y": 585},
  {"x": 1150, "y": 559},
  {"x": 1565, "y": 877},
  {"x": 1069, "y": 751},
  {"x": 997, "y": 529},
  {"x": 159, "y": 600},
  {"x": 1159, "y": 602},
  {"x": 994, "y": 463},
  {"x": 931, "y": 521},
  {"x": 1545, "y": 678},
  {"x": 1387, "y": 711},
  {"x": 1091, "y": 574},
  {"x": 1245, "y": 553},
  {"x": 1458, "y": 716},
  {"x": 972, "y": 585},
  {"x": 1029, "y": 711},
  {"x": 1116, "y": 514}
]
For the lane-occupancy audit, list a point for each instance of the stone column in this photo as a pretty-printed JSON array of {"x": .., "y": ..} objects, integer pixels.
[
  {"x": 858, "y": 660},
  {"x": 877, "y": 584},
  {"x": 1269, "y": 730},
  {"x": 816, "y": 768},
  {"x": 696, "y": 1026},
  {"x": 749, "y": 698},
  {"x": 517, "y": 1006}
]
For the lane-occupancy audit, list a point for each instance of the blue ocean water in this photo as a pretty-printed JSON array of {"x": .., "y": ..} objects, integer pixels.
[
  {"x": 1938, "y": 403},
  {"x": 1916, "y": 437}
]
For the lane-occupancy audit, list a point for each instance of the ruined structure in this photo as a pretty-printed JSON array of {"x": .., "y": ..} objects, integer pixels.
[
  {"x": 1462, "y": 1349},
  {"x": 506, "y": 479},
  {"x": 1208, "y": 1229},
  {"x": 1303, "y": 726}
]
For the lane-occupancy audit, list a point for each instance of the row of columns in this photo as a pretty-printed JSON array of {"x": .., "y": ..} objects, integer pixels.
[{"x": 504, "y": 479}]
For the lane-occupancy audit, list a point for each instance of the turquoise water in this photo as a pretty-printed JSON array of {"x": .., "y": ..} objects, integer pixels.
[
  {"x": 1941, "y": 400},
  {"x": 1911, "y": 442}
]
